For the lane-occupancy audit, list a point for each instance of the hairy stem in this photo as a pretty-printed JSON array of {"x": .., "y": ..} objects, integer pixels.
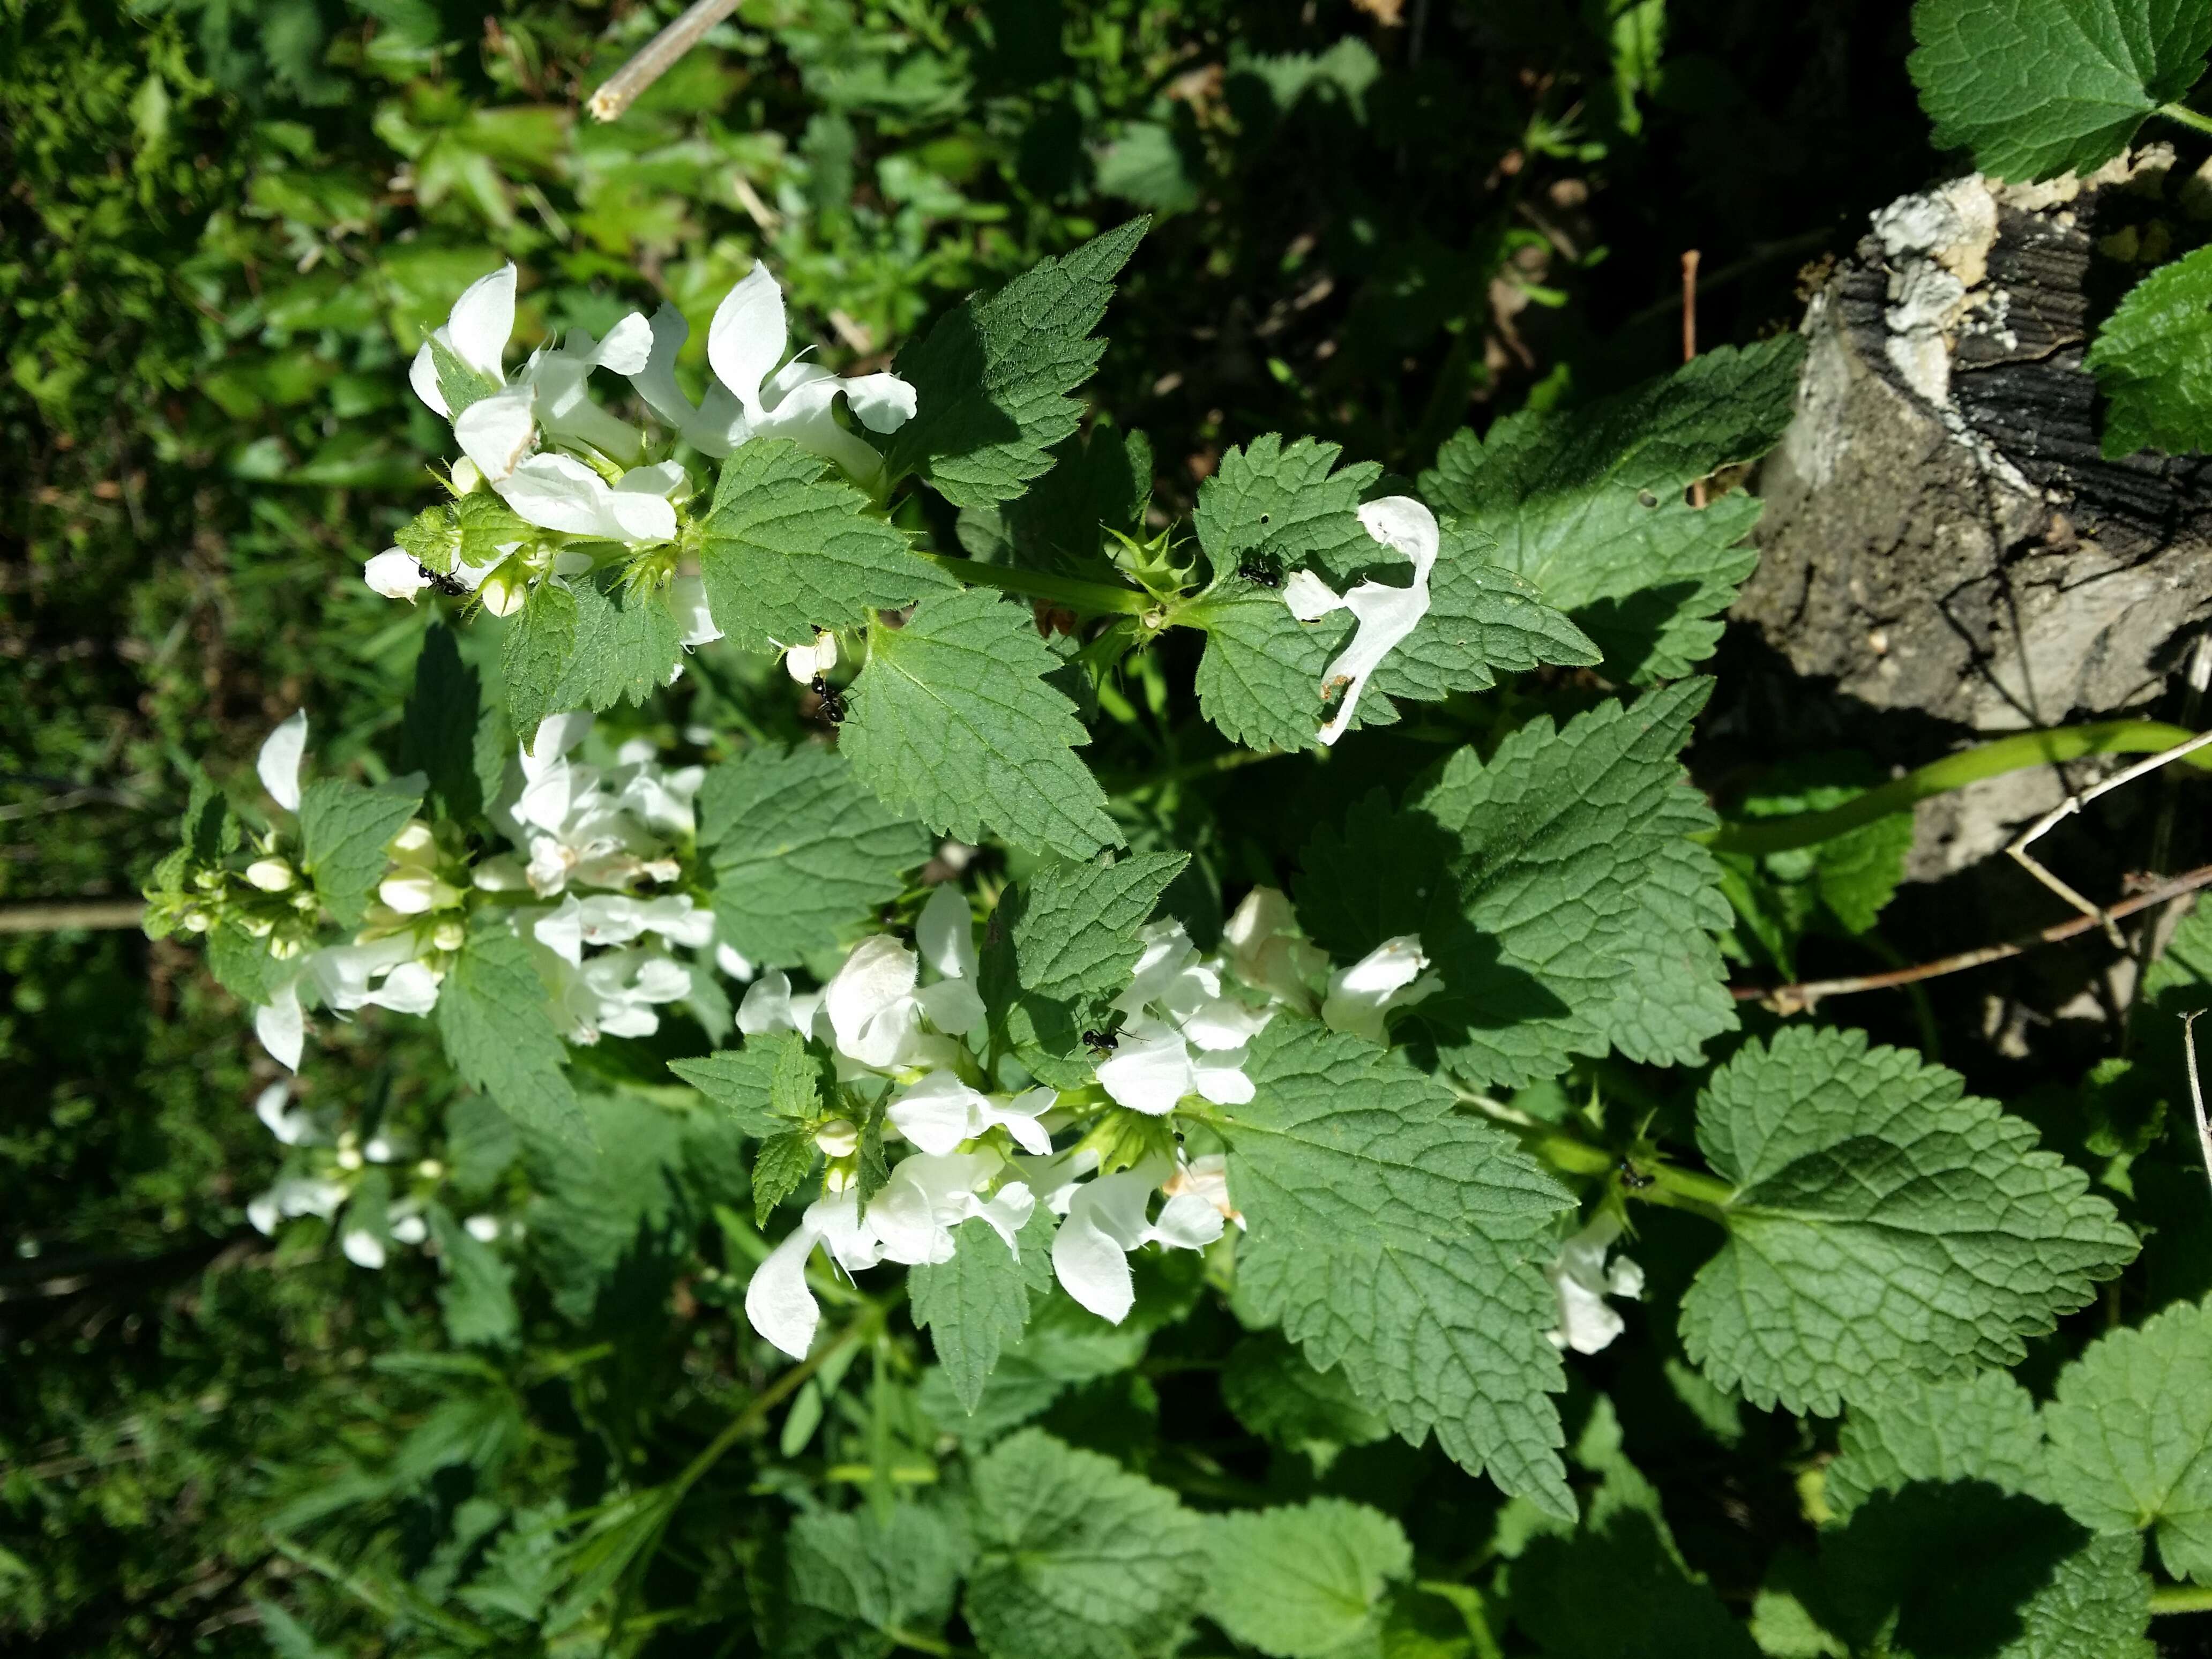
[
  {"x": 2181, "y": 1598},
  {"x": 1986, "y": 760},
  {"x": 2186, "y": 116},
  {"x": 1097, "y": 599}
]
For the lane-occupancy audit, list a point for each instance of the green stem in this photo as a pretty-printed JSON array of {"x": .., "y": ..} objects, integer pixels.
[
  {"x": 2186, "y": 116},
  {"x": 1098, "y": 598},
  {"x": 1661, "y": 1183},
  {"x": 1983, "y": 761},
  {"x": 2181, "y": 1598}
]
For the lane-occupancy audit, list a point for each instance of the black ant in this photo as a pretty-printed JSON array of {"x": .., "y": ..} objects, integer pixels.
[
  {"x": 1634, "y": 1178},
  {"x": 1102, "y": 1042},
  {"x": 441, "y": 582},
  {"x": 831, "y": 699},
  {"x": 1254, "y": 569}
]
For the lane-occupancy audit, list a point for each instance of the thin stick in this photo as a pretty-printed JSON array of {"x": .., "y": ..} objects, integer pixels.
[
  {"x": 2073, "y": 804},
  {"x": 1690, "y": 341},
  {"x": 51, "y": 918},
  {"x": 660, "y": 56},
  {"x": 2195, "y": 1089},
  {"x": 1800, "y": 997}
]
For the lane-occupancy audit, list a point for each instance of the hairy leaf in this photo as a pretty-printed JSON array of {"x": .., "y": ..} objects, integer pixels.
[
  {"x": 2153, "y": 360},
  {"x": 344, "y": 832},
  {"x": 1884, "y": 1224},
  {"x": 977, "y": 1305},
  {"x": 493, "y": 1019},
  {"x": 1305, "y": 1581},
  {"x": 1976, "y": 1428}
]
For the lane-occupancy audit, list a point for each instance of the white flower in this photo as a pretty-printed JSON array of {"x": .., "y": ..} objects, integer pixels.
[
  {"x": 1263, "y": 949},
  {"x": 815, "y": 656},
  {"x": 278, "y": 763},
  {"x": 558, "y": 492},
  {"x": 396, "y": 574},
  {"x": 1386, "y": 614},
  {"x": 294, "y": 1195},
  {"x": 1180, "y": 1034},
  {"x": 597, "y": 830},
  {"x": 909, "y": 1221},
  {"x": 362, "y": 1247},
  {"x": 940, "y": 1111},
  {"x": 616, "y": 993},
  {"x": 295, "y": 1127},
  {"x": 1391, "y": 975},
  {"x": 876, "y": 1003},
  {"x": 687, "y": 603},
  {"x": 753, "y": 398},
  {"x": 770, "y": 1005},
  {"x": 1106, "y": 1219},
  {"x": 1582, "y": 1281}
]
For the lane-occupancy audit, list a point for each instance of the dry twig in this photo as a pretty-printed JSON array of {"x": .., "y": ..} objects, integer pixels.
[
  {"x": 2195, "y": 1089},
  {"x": 660, "y": 56}
]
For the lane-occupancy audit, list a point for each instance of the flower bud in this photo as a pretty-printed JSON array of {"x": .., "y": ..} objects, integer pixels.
[
  {"x": 258, "y": 926},
  {"x": 466, "y": 478},
  {"x": 506, "y": 589},
  {"x": 195, "y": 921},
  {"x": 500, "y": 874},
  {"x": 415, "y": 838},
  {"x": 396, "y": 574},
  {"x": 839, "y": 1138},
  {"x": 430, "y": 1170},
  {"x": 410, "y": 892},
  {"x": 449, "y": 936},
  {"x": 269, "y": 875}
]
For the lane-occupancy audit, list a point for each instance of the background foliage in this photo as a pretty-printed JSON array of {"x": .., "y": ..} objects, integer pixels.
[{"x": 228, "y": 221}]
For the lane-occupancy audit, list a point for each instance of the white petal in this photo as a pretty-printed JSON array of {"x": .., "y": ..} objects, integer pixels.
[
  {"x": 262, "y": 1213},
  {"x": 485, "y": 1229},
  {"x": 278, "y": 763},
  {"x": 732, "y": 963},
  {"x": 687, "y": 603},
  {"x": 1387, "y": 614},
  {"x": 1188, "y": 1221},
  {"x": 952, "y": 1005},
  {"x": 628, "y": 347},
  {"x": 939, "y": 1113},
  {"x": 561, "y": 931},
  {"x": 497, "y": 432},
  {"x": 708, "y": 430},
  {"x": 837, "y": 1221},
  {"x": 1223, "y": 1023},
  {"x": 748, "y": 336},
  {"x": 482, "y": 319},
  {"x": 395, "y": 574},
  {"x": 1018, "y": 1117},
  {"x": 557, "y": 492},
  {"x": 778, "y": 1304},
  {"x": 410, "y": 989},
  {"x": 410, "y": 1230},
  {"x": 1220, "y": 1077},
  {"x": 422, "y": 375},
  {"x": 1309, "y": 596},
  {"x": 1359, "y": 995},
  {"x": 881, "y": 403},
  {"x": 282, "y": 1026},
  {"x": 1008, "y": 1212},
  {"x": 641, "y": 505},
  {"x": 807, "y": 417},
  {"x": 865, "y": 999},
  {"x": 1402, "y": 523},
  {"x": 556, "y": 735},
  {"x": 1091, "y": 1267},
  {"x": 767, "y": 1005},
  {"x": 362, "y": 1248},
  {"x": 945, "y": 932},
  {"x": 1149, "y": 1070}
]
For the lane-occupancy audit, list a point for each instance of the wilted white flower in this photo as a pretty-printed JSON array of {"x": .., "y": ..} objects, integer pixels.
[
  {"x": 1582, "y": 1281},
  {"x": 1387, "y": 615},
  {"x": 804, "y": 661},
  {"x": 1391, "y": 975}
]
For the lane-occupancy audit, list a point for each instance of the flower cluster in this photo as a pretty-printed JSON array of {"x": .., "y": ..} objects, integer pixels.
[
  {"x": 580, "y": 485},
  {"x": 594, "y": 885},
  {"x": 905, "y": 1027}
]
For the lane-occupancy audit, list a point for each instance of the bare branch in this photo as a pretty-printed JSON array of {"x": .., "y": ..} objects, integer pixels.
[{"x": 660, "y": 56}]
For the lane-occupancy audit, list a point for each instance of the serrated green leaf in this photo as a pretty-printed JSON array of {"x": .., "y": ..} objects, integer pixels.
[
  {"x": 488, "y": 525},
  {"x": 1271, "y": 1388},
  {"x": 741, "y": 1081},
  {"x": 344, "y": 831},
  {"x": 240, "y": 962},
  {"x": 782, "y": 1162},
  {"x": 1100, "y": 480},
  {"x": 1260, "y": 679},
  {"x": 498, "y": 1032},
  {"x": 1976, "y": 1428},
  {"x": 432, "y": 537},
  {"x": 1075, "y": 1557},
  {"x": 626, "y": 645},
  {"x": 541, "y": 641},
  {"x": 1588, "y": 504},
  {"x": 438, "y": 729},
  {"x": 1283, "y": 508},
  {"x": 976, "y": 1305},
  {"x": 788, "y": 547},
  {"x": 476, "y": 1291},
  {"x": 1554, "y": 889},
  {"x": 1395, "y": 1238},
  {"x": 952, "y": 719},
  {"x": 1617, "y": 1586},
  {"x": 2039, "y": 88},
  {"x": 801, "y": 850},
  {"x": 1061, "y": 947},
  {"x": 209, "y": 830},
  {"x": 2131, "y": 1432},
  {"x": 2153, "y": 360},
  {"x": 1482, "y": 620},
  {"x": 1884, "y": 1224},
  {"x": 858, "y": 1583},
  {"x": 992, "y": 378},
  {"x": 459, "y": 384},
  {"x": 1307, "y": 1581}
]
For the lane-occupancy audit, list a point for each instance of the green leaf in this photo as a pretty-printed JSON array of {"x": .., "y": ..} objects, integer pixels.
[
  {"x": 432, "y": 537},
  {"x": 1305, "y": 1581},
  {"x": 976, "y": 1305},
  {"x": 1587, "y": 504},
  {"x": 439, "y": 727},
  {"x": 1269, "y": 1387},
  {"x": 742, "y": 1081},
  {"x": 1482, "y": 621},
  {"x": 2130, "y": 1434},
  {"x": 494, "y": 1018},
  {"x": 1061, "y": 946},
  {"x": 991, "y": 379},
  {"x": 782, "y": 1162},
  {"x": 789, "y": 547},
  {"x": 1100, "y": 480},
  {"x": 1075, "y": 1557},
  {"x": 1885, "y": 1224},
  {"x": 1978, "y": 1428},
  {"x": 344, "y": 831},
  {"x": 626, "y": 645},
  {"x": 2153, "y": 360},
  {"x": 801, "y": 849},
  {"x": 2039, "y": 88},
  {"x": 240, "y": 962},
  {"x": 459, "y": 384},
  {"x": 952, "y": 719},
  {"x": 1259, "y": 680},
  {"x": 540, "y": 642},
  {"x": 857, "y": 1582},
  {"x": 1283, "y": 508},
  {"x": 487, "y": 524},
  {"x": 1617, "y": 1585},
  {"x": 476, "y": 1294},
  {"x": 1402, "y": 1240},
  {"x": 1555, "y": 889}
]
